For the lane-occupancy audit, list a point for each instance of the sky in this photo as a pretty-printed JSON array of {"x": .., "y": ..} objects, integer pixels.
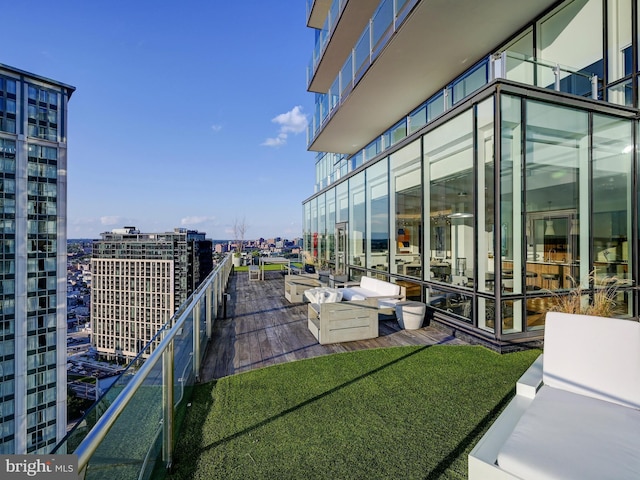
[{"x": 186, "y": 114}]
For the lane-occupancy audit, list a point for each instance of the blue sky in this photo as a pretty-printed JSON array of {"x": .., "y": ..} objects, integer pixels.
[{"x": 186, "y": 114}]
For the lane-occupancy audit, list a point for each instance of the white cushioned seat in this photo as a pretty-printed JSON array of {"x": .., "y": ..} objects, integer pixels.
[
  {"x": 357, "y": 293},
  {"x": 564, "y": 435}
]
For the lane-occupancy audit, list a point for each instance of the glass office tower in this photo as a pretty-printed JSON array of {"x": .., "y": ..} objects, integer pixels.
[
  {"x": 33, "y": 316},
  {"x": 485, "y": 169}
]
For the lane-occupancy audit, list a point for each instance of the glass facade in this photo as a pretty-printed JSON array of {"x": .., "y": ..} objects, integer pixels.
[
  {"x": 564, "y": 216},
  {"x": 494, "y": 207}
]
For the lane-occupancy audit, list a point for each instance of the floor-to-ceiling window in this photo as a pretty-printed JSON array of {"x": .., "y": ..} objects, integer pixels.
[
  {"x": 612, "y": 197},
  {"x": 406, "y": 211},
  {"x": 509, "y": 232},
  {"x": 448, "y": 152},
  {"x": 323, "y": 254},
  {"x": 377, "y": 216},
  {"x": 556, "y": 189},
  {"x": 331, "y": 226},
  {"x": 450, "y": 236},
  {"x": 484, "y": 276},
  {"x": 357, "y": 221}
]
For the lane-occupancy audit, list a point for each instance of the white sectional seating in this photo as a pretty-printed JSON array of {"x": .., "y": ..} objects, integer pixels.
[
  {"x": 387, "y": 294},
  {"x": 576, "y": 413}
]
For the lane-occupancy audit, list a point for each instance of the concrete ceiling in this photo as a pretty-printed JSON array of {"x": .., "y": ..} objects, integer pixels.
[
  {"x": 319, "y": 11},
  {"x": 438, "y": 41}
]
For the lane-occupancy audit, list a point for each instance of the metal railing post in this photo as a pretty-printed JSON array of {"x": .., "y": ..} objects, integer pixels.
[
  {"x": 196, "y": 341},
  {"x": 208, "y": 302},
  {"x": 594, "y": 87},
  {"x": 167, "y": 401},
  {"x": 556, "y": 73}
]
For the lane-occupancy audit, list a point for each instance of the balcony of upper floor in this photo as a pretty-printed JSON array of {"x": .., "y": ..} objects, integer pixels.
[
  {"x": 317, "y": 11},
  {"x": 406, "y": 52},
  {"x": 342, "y": 22}
]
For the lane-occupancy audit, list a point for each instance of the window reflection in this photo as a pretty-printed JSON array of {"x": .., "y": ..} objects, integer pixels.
[
  {"x": 378, "y": 216},
  {"x": 449, "y": 156},
  {"x": 406, "y": 202}
]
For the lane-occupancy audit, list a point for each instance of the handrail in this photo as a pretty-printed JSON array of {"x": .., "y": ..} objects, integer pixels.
[{"x": 96, "y": 435}]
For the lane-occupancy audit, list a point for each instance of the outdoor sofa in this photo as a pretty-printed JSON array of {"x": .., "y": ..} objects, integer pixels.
[
  {"x": 576, "y": 412},
  {"x": 356, "y": 316},
  {"x": 386, "y": 294}
]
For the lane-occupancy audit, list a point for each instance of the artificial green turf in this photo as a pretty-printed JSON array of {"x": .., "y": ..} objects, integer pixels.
[
  {"x": 267, "y": 267},
  {"x": 404, "y": 412}
]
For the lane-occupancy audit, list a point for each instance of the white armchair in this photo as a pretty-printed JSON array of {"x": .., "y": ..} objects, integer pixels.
[{"x": 576, "y": 413}]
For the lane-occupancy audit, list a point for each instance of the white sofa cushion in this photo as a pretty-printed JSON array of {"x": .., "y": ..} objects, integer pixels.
[
  {"x": 357, "y": 293},
  {"x": 564, "y": 435},
  {"x": 381, "y": 287},
  {"x": 594, "y": 356},
  {"x": 370, "y": 287}
]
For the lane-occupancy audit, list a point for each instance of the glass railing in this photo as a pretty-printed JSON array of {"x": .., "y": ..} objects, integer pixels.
[
  {"x": 509, "y": 65},
  {"x": 453, "y": 93},
  {"x": 542, "y": 73},
  {"x": 325, "y": 33},
  {"x": 386, "y": 19},
  {"x": 130, "y": 431}
]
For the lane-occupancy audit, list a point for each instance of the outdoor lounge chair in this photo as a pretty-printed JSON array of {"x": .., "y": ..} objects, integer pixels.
[{"x": 576, "y": 413}]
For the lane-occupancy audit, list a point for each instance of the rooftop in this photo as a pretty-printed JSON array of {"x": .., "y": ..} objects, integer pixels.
[
  {"x": 335, "y": 416},
  {"x": 262, "y": 328},
  {"x": 408, "y": 401}
]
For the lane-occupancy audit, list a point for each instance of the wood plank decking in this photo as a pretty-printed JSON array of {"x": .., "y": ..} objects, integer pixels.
[{"x": 262, "y": 328}]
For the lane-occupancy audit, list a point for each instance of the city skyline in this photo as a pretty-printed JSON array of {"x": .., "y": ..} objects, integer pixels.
[{"x": 198, "y": 145}]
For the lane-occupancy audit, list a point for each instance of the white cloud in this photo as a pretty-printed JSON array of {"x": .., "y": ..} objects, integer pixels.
[
  {"x": 196, "y": 220},
  {"x": 216, "y": 127},
  {"x": 293, "y": 121},
  {"x": 281, "y": 139},
  {"x": 112, "y": 220}
]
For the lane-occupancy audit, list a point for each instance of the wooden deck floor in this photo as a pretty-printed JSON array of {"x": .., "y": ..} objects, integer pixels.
[{"x": 262, "y": 328}]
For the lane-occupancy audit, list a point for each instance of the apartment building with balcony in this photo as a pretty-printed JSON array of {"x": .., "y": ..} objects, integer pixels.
[
  {"x": 33, "y": 309},
  {"x": 139, "y": 280},
  {"x": 482, "y": 154}
]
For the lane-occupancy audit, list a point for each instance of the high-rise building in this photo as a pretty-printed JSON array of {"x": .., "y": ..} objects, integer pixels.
[
  {"x": 33, "y": 310},
  {"x": 139, "y": 281},
  {"x": 483, "y": 154}
]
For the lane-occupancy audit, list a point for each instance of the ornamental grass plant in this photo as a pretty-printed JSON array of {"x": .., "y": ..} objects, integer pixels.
[{"x": 598, "y": 301}]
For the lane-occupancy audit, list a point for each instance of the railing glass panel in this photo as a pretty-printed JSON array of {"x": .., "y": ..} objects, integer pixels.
[
  {"x": 334, "y": 93},
  {"x": 124, "y": 433},
  {"x": 621, "y": 93},
  {"x": 361, "y": 53},
  {"x": 549, "y": 75},
  {"x": 418, "y": 118},
  {"x": 382, "y": 22},
  {"x": 346, "y": 77}
]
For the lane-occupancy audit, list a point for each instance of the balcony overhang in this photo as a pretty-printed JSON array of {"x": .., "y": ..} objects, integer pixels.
[
  {"x": 438, "y": 41},
  {"x": 351, "y": 24},
  {"x": 318, "y": 14}
]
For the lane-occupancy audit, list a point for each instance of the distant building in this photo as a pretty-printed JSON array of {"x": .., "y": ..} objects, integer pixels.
[
  {"x": 33, "y": 309},
  {"x": 139, "y": 280}
]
